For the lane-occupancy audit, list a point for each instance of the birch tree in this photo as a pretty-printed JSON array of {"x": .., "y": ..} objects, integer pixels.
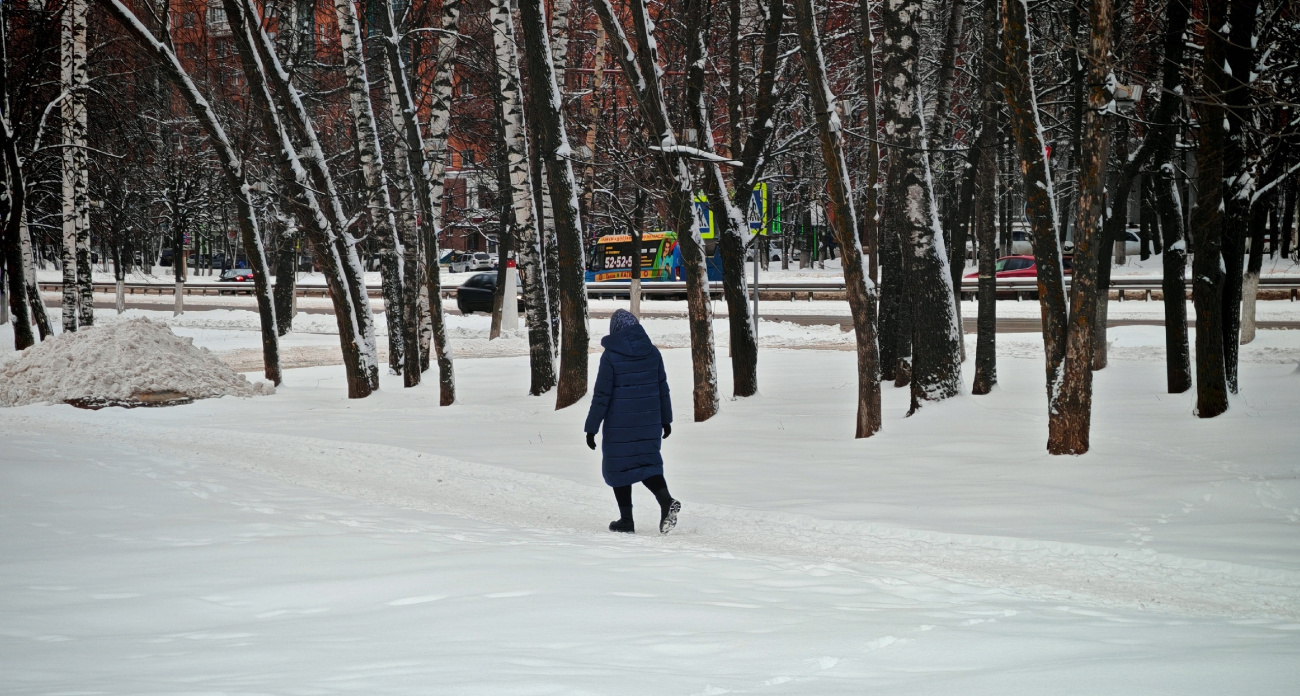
[
  {"x": 426, "y": 164},
  {"x": 379, "y": 206},
  {"x": 528, "y": 241},
  {"x": 644, "y": 76},
  {"x": 233, "y": 168},
  {"x": 546, "y": 109},
  {"x": 78, "y": 292},
  {"x": 435, "y": 159},
  {"x": 287, "y": 124},
  {"x": 861, "y": 290}
]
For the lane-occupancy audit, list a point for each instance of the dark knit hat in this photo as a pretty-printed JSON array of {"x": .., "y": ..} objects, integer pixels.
[{"x": 621, "y": 320}]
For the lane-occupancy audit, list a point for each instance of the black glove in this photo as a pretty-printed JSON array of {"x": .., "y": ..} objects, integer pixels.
[
  {"x": 591, "y": 440},
  {"x": 668, "y": 430}
]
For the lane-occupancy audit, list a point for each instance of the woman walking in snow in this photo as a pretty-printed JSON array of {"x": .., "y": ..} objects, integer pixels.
[{"x": 631, "y": 399}]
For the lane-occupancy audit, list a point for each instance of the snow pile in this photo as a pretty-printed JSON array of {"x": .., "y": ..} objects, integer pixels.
[{"x": 119, "y": 361}]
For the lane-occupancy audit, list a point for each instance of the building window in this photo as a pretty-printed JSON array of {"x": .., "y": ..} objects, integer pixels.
[
  {"x": 187, "y": 20},
  {"x": 217, "y": 19}
]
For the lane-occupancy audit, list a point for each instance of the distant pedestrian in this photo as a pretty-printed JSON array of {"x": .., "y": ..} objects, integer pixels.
[{"x": 631, "y": 400}]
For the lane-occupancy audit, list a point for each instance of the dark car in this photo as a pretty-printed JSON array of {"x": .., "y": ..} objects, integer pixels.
[
  {"x": 475, "y": 294},
  {"x": 236, "y": 275}
]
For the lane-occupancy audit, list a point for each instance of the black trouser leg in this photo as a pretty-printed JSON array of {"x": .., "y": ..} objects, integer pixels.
[
  {"x": 659, "y": 487},
  {"x": 623, "y": 494}
]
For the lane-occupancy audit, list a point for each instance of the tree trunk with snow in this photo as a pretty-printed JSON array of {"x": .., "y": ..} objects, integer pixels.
[
  {"x": 1040, "y": 206},
  {"x": 286, "y": 278},
  {"x": 1168, "y": 203},
  {"x": 14, "y": 230},
  {"x": 986, "y": 182},
  {"x": 1169, "y": 207},
  {"x": 318, "y": 206},
  {"x": 730, "y": 224},
  {"x": 426, "y": 163},
  {"x": 642, "y": 72},
  {"x": 1254, "y": 264},
  {"x": 408, "y": 231},
  {"x": 861, "y": 291},
  {"x": 870, "y": 219},
  {"x": 1069, "y": 421},
  {"x": 1239, "y": 53},
  {"x": 379, "y": 207},
  {"x": 1207, "y": 221},
  {"x": 78, "y": 293},
  {"x": 936, "y": 334},
  {"x": 527, "y": 233},
  {"x": 235, "y": 174},
  {"x": 546, "y": 109}
]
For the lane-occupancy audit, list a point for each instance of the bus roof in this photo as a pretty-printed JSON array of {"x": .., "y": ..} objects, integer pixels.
[{"x": 647, "y": 237}]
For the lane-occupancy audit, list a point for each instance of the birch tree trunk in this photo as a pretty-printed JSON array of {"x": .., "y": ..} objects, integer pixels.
[
  {"x": 642, "y": 71},
  {"x": 861, "y": 291},
  {"x": 1254, "y": 263},
  {"x": 435, "y": 157},
  {"x": 408, "y": 231},
  {"x": 730, "y": 224},
  {"x": 528, "y": 241},
  {"x": 1040, "y": 205},
  {"x": 78, "y": 294},
  {"x": 426, "y": 163},
  {"x": 379, "y": 207},
  {"x": 1069, "y": 420},
  {"x": 545, "y": 108},
  {"x": 236, "y": 178},
  {"x": 936, "y": 334},
  {"x": 1207, "y": 220}
]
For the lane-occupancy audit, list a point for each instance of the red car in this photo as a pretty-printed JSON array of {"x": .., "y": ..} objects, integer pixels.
[{"x": 1022, "y": 267}]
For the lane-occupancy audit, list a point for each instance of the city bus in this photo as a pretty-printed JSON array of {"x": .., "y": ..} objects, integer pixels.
[{"x": 611, "y": 258}]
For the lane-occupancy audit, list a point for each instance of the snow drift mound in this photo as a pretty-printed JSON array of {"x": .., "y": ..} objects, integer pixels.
[{"x": 128, "y": 362}]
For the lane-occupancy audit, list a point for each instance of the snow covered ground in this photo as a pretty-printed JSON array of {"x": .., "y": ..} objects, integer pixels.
[{"x": 302, "y": 543}]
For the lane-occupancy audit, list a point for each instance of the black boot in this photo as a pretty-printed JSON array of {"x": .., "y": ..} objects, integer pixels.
[
  {"x": 624, "y": 523},
  {"x": 668, "y": 515},
  {"x": 668, "y": 507}
]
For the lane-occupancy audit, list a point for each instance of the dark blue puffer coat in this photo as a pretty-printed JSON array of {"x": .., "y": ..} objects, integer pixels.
[{"x": 631, "y": 399}]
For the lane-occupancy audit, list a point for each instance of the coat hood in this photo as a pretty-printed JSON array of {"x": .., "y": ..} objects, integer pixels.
[{"x": 631, "y": 341}]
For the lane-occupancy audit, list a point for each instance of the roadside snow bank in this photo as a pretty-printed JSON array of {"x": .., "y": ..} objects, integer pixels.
[{"x": 119, "y": 361}]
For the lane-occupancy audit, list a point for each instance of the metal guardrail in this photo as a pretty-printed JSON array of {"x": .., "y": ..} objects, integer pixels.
[{"x": 800, "y": 289}]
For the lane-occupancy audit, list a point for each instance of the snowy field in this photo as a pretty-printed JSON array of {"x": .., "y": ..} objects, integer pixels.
[{"x": 302, "y": 543}]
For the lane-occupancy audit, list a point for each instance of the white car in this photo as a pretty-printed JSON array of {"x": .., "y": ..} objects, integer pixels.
[{"x": 473, "y": 261}]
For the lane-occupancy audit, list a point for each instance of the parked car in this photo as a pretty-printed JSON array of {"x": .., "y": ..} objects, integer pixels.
[
  {"x": 1021, "y": 266},
  {"x": 476, "y": 294},
  {"x": 470, "y": 261},
  {"x": 236, "y": 275}
]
